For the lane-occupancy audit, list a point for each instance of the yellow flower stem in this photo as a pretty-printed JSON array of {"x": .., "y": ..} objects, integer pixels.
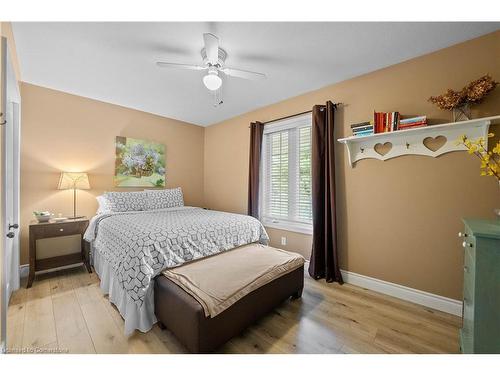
[
  {"x": 483, "y": 151},
  {"x": 480, "y": 154}
]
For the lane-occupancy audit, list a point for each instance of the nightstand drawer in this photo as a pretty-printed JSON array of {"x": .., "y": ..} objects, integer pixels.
[{"x": 57, "y": 230}]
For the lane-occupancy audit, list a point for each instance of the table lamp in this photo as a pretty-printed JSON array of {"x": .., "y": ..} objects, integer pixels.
[{"x": 74, "y": 180}]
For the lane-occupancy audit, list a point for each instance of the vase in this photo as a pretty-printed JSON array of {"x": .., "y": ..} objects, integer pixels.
[{"x": 461, "y": 113}]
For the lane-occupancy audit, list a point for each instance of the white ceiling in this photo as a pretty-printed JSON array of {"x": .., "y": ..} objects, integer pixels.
[{"x": 115, "y": 62}]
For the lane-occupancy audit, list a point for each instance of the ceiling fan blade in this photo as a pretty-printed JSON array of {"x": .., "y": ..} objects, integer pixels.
[
  {"x": 180, "y": 66},
  {"x": 211, "y": 47},
  {"x": 246, "y": 74}
]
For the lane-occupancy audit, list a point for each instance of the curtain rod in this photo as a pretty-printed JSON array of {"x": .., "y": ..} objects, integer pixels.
[{"x": 294, "y": 115}]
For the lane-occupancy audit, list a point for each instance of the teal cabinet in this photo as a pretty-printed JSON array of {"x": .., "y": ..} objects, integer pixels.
[{"x": 480, "y": 331}]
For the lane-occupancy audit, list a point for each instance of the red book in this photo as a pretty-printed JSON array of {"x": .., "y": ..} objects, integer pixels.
[
  {"x": 376, "y": 119},
  {"x": 411, "y": 124}
]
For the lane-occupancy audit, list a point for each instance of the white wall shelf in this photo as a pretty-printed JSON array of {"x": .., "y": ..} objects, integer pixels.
[{"x": 418, "y": 141}]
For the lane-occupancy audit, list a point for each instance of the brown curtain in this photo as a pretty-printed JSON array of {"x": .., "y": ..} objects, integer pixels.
[
  {"x": 256, "y": 131},
  {"x": 324, "y": 257}
]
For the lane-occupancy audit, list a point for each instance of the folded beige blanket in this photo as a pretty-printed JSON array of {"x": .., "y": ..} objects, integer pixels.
[{"x": 219, "y": 281}]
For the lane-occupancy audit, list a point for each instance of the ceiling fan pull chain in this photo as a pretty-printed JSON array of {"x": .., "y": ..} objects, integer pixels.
[{"x": 218, "y": 97}]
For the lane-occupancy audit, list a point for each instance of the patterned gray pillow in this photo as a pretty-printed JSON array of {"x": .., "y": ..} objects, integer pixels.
[
  {"x": 126, "y": 201},
  {"x": 158, "y": 199}
]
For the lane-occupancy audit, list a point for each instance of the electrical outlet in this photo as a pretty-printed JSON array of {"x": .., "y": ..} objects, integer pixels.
[{"x": 283, "y": 241}]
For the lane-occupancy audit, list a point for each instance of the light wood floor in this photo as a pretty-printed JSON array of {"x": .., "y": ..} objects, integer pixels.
[{"x": 67, "y": 311}]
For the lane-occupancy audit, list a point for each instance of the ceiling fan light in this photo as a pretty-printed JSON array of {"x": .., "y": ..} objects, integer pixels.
[{"x": 212, "y": 81}]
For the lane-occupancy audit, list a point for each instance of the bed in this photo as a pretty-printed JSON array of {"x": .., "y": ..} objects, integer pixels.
[{"x": 130, "y": 248}]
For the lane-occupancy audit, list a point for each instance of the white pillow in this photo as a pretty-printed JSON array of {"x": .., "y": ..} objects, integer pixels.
[
  {"x": 103, "y": 207},
  {"x": 165, "y": 198},
  {"x": 119, "y": 201}
]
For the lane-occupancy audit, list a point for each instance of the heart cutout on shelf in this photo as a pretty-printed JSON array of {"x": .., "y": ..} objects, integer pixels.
[
  {"x": 434, "y": 143},
  {"x": 383, "y": 149}
]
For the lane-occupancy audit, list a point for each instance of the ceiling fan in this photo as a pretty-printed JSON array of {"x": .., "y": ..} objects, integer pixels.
[{"x": 214, "y": 58}]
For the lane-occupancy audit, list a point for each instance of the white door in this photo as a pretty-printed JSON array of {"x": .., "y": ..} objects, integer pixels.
[{"x": 9, "y": 232}]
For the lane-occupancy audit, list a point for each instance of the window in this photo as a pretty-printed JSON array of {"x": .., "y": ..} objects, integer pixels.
[{"x": 285, "y": 193}]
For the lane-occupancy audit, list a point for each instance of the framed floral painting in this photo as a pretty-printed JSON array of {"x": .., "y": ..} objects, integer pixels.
[{"x": 139, "y": 163}]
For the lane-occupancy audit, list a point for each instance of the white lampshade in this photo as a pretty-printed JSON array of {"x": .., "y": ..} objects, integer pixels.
[
  {"x": 73, "y": 180},
  {"x": 212, "y": 81}
]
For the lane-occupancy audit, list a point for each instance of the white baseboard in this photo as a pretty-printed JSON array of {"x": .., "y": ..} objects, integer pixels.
[
  {"x": 24, "y": 270},
  {"x": 420, "y": 297}
]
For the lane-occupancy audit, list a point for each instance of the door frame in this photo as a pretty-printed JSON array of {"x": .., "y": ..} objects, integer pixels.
[
  {"x": 10, "y": 105},
  {"x": 3, "y": 287}
]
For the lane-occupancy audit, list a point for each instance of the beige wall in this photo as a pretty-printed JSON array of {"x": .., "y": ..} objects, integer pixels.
[
  {"x": 63, "y": 132},
  {"x": 398, "y": 219}
]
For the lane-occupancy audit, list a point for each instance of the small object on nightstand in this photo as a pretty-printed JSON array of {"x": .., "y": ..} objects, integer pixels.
[
  {"x": 38, "y": 231},
  {"x": 42, "y": 216}
]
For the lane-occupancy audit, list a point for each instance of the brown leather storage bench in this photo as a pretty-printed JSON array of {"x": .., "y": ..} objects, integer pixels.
[{"x": 183, "y": 315}]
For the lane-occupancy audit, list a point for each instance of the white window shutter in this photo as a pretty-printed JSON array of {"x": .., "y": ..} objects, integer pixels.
[{"x": 285, "y": 193}]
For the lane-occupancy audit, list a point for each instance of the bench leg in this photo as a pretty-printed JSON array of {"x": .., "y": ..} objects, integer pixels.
[{"x": 297, "y": 294}]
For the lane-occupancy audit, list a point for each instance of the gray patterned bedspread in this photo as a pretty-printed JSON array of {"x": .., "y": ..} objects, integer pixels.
[{"x": 139, "y": 245}]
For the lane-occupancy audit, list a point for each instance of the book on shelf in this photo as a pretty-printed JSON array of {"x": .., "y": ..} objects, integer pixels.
[
  {"x": 414, "y": 122},
  {"x": 413, "y": 119},
  {"x": 366, "y": 132},
  {"x": 412, "y": 125},
  {"x": 385, "y": 121},
  {"x": 360, "y": 124},
  {"x": 391, "y": 121},
  {"x": 362, "y": 128}
]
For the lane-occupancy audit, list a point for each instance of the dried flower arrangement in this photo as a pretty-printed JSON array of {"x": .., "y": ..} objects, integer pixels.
[
  {"x": 449, "y": 100},
  {"x": 490, "y": 160},
  {"x": 472, "y": 93}
]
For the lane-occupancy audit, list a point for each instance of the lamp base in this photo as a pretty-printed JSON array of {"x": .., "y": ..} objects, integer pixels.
[{"x": 75, "y": 217}]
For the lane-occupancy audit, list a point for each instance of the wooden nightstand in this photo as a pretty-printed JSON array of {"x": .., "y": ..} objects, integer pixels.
[{"x": 51, "y": 229}]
